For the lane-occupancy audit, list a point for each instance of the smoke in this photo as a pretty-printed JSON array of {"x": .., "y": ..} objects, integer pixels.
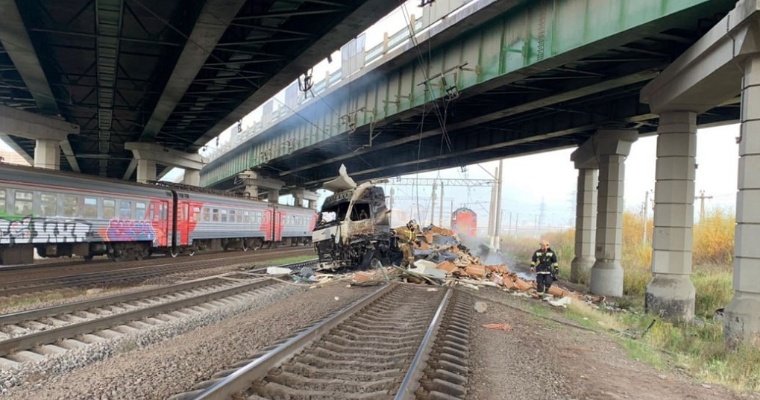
[{"x": 489, "y": 256}]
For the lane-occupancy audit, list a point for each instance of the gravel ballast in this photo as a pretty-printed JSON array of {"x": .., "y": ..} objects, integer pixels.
[{"x": 150, "y": 366}]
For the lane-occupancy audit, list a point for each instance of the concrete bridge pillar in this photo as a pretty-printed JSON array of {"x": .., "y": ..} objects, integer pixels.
[
  {"x": 47, "y": 154},
  {"x": 742, "y": 320},
  {"x": 146, "y": 170},
  {"x": 612, "y": 147},
  {"x": 254, "y": 184},
  {"x": 273, "y": 196},
  {"x": 192, "y": 177},
  {"x": 308, "y": 196},
  {"x": 585, "y": 225},
  {"x": 671, "y": 293}
]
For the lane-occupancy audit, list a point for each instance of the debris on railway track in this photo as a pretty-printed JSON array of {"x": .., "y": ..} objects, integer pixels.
[{"x": 441, "y": 259}]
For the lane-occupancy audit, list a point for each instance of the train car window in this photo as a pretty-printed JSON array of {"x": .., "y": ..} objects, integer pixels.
[
  {"x": 232, "y": 215},
  {"x": 109, "y": 208},
  {"x": 125, "y": 209},
  {"x": 2, "y": 201},
  {"x": 70, "y": 206},
  {"x": 246, "y": 217},
  {"x": 239, "y": 215},
  {"x": 48, "y": 205},
  {"x": 164, "y": 212},
  {"x": 196, "y": 211},
  {"x": 23, "y": 204},
  {"x": 224, "y": 215},
  {"x": 90, "y": 207},
  {"x": 140, "y": 210},
  {"x": 206, "y": 214},
  {"x": 215, "y": 215}
]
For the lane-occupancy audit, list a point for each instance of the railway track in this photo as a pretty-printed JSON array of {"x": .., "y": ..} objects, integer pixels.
[
  {"x": 127, "y": 275},
  {"x": 63, "y": 268},
  {"x": 33, "y": 335},
  {"x": 400, "y": 342}
]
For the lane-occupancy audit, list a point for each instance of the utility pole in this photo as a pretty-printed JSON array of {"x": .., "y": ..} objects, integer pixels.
[
  {"x": 497, "y": 243},
  {"x": 440, "y": 214},
  {"x": 432, "y": 205},
  {"x": 702, "y": 198}
]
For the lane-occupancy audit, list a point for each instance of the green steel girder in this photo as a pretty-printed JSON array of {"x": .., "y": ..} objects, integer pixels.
[{"x": 527, "y": 40}]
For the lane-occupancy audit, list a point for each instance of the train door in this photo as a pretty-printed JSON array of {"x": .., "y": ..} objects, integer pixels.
[
  {"x": 272, "y": 226},
  {"x": 279, "y": 219},
  {"x": 183, "y": 225},
  {"x": 161, "y": 218}
]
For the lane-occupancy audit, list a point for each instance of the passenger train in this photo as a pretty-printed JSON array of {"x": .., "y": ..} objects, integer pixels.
[{"x": 64, "y": 214}]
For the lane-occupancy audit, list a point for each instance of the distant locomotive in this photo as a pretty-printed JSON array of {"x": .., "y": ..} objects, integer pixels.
[
  {"x": 64, "y": 214},
  {"x": 464, "y": 221}
]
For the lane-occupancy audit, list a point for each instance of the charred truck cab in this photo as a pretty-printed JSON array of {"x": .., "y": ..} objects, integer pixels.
[{"x": 353, "y": 229}]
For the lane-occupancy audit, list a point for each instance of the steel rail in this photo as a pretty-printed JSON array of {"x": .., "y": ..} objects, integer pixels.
[
  {"x": 30, "y": 315},
  {"x": 53, "y": 335},
  {"x": 410, "y": 383},
  {"x": 241, "y": 379},
  {"x": 124, "y": 274}
]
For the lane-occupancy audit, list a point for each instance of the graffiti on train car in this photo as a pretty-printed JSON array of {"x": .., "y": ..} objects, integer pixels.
[
  {"x": 42, "y": 230},
  {"x": 121, "y": 230}
]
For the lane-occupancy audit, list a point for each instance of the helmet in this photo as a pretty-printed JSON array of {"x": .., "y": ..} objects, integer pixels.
[{"x": 411, "y": 224}]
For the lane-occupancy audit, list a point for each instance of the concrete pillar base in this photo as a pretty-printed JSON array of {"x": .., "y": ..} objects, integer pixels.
[
  {"x": 607, "y": 278},
  {"x": 273, "y": 196},
  {"x": 47, "y": 154},
  {"x": 742, "y": 319},
  {"x": 192, "y": 177},
  {"x": 580, "y": 269},
  {"x": 146, "y": 171},
  {"x": 671, "y": 296}
]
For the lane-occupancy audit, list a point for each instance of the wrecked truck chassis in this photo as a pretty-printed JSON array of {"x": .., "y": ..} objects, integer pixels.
[{"x": 361, "y": 251}]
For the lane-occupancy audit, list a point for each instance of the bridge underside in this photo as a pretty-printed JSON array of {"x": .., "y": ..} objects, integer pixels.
[
  {"x": 557, "y": 108},
  {"x": 176, "y": 73}
]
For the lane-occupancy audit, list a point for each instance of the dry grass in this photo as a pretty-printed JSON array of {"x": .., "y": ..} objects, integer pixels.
[{"x": 697, "y": 348}]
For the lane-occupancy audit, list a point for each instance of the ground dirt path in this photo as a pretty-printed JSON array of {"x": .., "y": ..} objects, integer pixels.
[{"x": 544, "y": 359}]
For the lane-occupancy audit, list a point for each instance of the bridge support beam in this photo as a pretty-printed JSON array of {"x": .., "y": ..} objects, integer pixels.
[
  {"x": 612, "y": 147},
  {"x": 150, "y": 154},
  {"x": 48, "y": 134},
  {"x": 671, "y": 293},
  {"x": 585, "y": 225}
]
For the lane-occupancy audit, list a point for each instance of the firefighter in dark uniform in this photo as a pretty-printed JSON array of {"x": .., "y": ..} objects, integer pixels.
[{"x": 544, "y": 263}]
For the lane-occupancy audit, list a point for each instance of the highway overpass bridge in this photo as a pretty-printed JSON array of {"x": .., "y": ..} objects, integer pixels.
[
  {"x": 495, "y": 79},
  {"x": 469, "y": 81}
]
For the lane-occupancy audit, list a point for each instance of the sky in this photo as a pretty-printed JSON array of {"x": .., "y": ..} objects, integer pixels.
[{"x": 524, "y": 191}]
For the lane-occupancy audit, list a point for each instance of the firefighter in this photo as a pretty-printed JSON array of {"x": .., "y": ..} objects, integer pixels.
[
  {"x": 544, "y": 264},
  {"x": 407, "y": 235}
]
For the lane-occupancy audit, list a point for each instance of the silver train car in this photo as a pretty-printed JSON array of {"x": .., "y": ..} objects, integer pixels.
[{"x": 64, "y": 214}]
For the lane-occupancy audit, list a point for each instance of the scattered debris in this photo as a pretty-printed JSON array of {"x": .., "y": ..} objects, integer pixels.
[
  {"x": 278, "y": 271},
  {"x": 481, "y": 306},
  {"x": 499, "y": 327}
]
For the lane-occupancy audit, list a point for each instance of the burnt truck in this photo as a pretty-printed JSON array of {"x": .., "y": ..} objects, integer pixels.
[{"x": 353, "y": 228}]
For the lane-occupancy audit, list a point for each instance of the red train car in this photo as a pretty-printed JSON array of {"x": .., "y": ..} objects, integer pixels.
[{"x": 464, "y": 222}]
